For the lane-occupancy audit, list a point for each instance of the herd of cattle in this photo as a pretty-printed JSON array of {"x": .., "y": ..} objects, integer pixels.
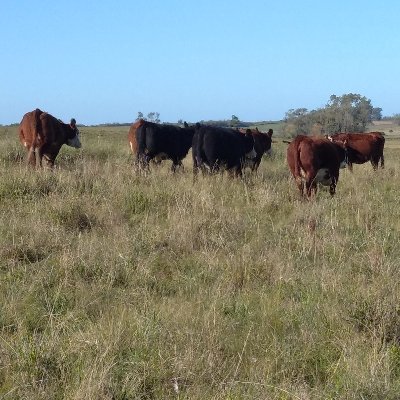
[{"x": 311, "y": 160}]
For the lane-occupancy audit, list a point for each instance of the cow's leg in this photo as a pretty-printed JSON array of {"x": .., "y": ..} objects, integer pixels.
[
  {"x": 375, "y": 163},
  {"x": 382, "y": 161},
  {"x": 334, "y": 180},
  {"x": 311, "y": 185},
  {"x": 143, "y": 161},
  {"x": 38, "y": 155},
  {"x": 176, "y": 164},
  {"x": 350, "y": 166},
  {"x": 30, "y": 158}
]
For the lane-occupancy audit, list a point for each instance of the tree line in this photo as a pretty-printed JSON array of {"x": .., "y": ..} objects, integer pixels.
[{"x": 347, "y": 113}]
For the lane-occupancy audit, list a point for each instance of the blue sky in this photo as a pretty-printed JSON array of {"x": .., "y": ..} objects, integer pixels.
[{"x": 102, "y": 61}]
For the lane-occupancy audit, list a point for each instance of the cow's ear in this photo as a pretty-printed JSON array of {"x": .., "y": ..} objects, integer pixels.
[
  {"x": 257, "y": 129},
  {"x": 73, "y": 123},
  {"x": 270, "y": 132},
  {"x": 185, "y": 124}
]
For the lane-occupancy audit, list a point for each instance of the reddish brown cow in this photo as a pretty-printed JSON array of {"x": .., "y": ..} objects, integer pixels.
[
  {"x": 43, "y": 136},
  {"x": 132, "y": 136},
  {"x": 315, "y": 159},
  {"x": 262, "y": 144},
  {"x": 363, "y": 147}
]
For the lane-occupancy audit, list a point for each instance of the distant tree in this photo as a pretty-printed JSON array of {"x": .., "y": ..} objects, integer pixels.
[
  {"x": 347, "y": 113},
  {"x": 139, "y": 115},
  {"x": 235, "y": 122},
  {"x": 180, "y": 121},
  {"x": 299, "y": 121},
  {"x": 396, "y": 119},
  {"x": 154, "y": 117},
  {"x": 376, "y": 114}
]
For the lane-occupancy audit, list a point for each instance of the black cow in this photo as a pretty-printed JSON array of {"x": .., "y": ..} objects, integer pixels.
[
  {"x": 162, "y": 142},
  {"x": 214, "y": 148}
]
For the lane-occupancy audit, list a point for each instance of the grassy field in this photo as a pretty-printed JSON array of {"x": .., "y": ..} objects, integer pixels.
[{"x": 119, "y": 285}]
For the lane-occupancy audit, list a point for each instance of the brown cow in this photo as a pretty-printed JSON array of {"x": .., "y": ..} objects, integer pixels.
[
  {"x": 262, "y": 144},
  {"x": 363, "y": 147},
  {"x": 315, "y": 159},
  {"x": 43, "y": 136},
  {"x": 132, "y": 135}
]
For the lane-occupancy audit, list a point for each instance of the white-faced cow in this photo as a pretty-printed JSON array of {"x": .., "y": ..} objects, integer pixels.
[
  {"x": 362, "y": 147},
  {"x": 214, "y": 148},
  {"x": 262, "y": 145},
  {"x": 43, "y": 136},
  {"x": 315, "y": 160}
]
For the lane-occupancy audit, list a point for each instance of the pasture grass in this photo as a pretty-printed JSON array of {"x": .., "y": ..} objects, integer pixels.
[{"x": 116, "y": 284}]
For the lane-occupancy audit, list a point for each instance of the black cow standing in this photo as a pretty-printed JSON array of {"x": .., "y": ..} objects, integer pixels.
[
  {"x": 161, "y": 141},
  {"x": 214, "y": 148}
]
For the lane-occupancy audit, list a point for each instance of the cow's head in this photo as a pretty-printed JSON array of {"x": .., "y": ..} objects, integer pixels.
[
  {"x": 249, "y": 145},
  {"x": 73, "y": 139}
]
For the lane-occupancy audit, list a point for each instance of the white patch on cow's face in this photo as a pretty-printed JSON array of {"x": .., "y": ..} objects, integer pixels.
[
  {"x": 74, "y": 142},
  {"x": 323, "y": 177},
  {"x": 131, "y": 146}
]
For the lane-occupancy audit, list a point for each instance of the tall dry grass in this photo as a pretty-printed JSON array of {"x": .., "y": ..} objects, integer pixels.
[{"x": 120, "y": 285}]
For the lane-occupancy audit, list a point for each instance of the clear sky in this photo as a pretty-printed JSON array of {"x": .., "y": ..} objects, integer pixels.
[{"x": 103, "y": 61}]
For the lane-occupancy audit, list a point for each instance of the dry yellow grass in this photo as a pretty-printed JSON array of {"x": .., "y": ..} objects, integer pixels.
[{"x": 118, "y": 285}]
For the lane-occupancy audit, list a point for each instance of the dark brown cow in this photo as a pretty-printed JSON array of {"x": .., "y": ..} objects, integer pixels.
[
  {"x": 362, "y": 147},
  {"x": 262, "y": 145},
  {"x": 216, "y": 148},
  {"x": 132, "y": 136},
  {"x": 156, "y": 142},
  {"x": 315, "y": 160},
  {"x": 43, "y": 136}
]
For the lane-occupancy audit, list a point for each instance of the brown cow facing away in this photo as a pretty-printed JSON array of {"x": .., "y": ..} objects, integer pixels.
[
  {"x": 315, "y": 160},
  {"x": 133, "y": 145},
  {"x": 43, "y": 136},
  {"x": 262, "y": 145},
  {"x": 362, "y": 147}
]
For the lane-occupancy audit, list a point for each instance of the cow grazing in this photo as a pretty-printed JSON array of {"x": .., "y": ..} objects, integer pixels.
[
  {"x": 362, "y": 147},
  {"x": 262, "y": 145},
  {"x": 214, "y": 148},
  {"x": 161, "y": 142},
  {"x": 43, "y": 136},
  {"x": 315, "y": 160}
]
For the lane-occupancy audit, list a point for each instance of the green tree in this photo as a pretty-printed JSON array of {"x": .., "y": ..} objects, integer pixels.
[
  {"x": 376, "y": 114},
  {"x": 235, "y": 122},
  {"x": 154, "y": 117},
  {"x": 348, "y": 113}
]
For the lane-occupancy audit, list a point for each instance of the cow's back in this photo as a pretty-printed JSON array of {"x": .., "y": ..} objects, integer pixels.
[{"x": 30, "y": 128}]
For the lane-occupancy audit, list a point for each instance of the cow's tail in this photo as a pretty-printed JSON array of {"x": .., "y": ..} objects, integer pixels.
[{"x": 37, "y": 128}]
